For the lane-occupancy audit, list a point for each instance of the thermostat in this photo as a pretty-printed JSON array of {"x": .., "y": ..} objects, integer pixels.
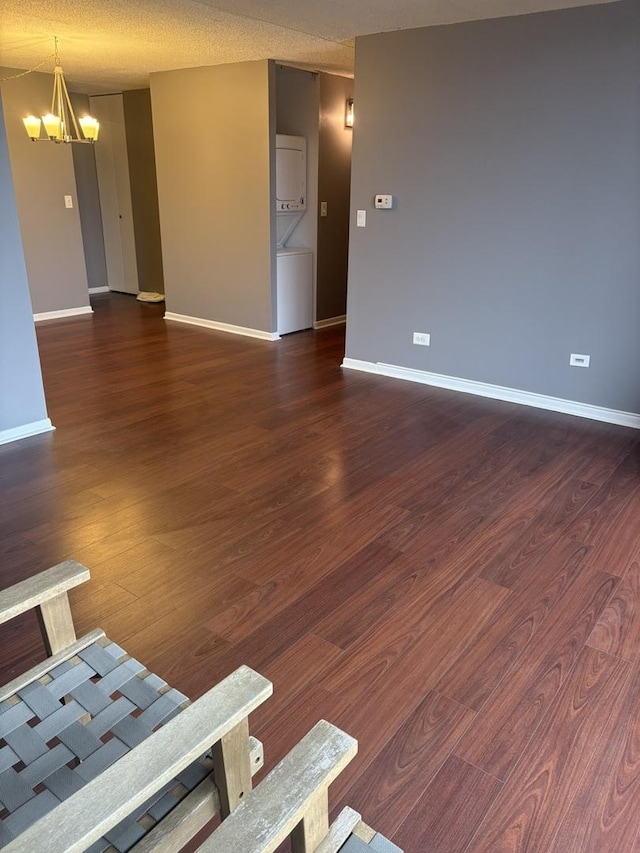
[{"x": 383, "y": 202}]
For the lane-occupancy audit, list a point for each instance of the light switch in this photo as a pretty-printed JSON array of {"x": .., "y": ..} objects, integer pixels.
[
  {"x": 68, "y": 201},
  {"x": 361, "y": 218}
]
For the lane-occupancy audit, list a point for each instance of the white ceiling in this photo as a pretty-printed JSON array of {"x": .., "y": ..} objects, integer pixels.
[{"x": 110, "y": 45}]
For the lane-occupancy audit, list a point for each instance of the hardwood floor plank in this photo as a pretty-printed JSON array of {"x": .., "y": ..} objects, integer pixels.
[
  {"x": 432, "y": 534},
  {"x": 603, "y": 815},
  {"x": 501, "y": 732},
  {"x": 601, "y": 458},
  {"x": 423, "y": 483},
  {"x": 47, "y": 505},
  {"x": 449, "y": 812},
  {"x": 187, "y": 502},
  {"x": 300, "y": 617},
  {"x": 306, "y": 560},
  {"x": 417, "y": 648},
  {"x": 474, "y": 677},
  {"x": 373, "y": 720},
  {"x": 112, "y": 597},
  {"x": 369, "y": 605},
  {"x": 292, "y": 672},
  {"x": 58, "y": 547},
  {"x": 609, "y": 502},
  {"x": 610, "y": 551},
  {"x": 549, "y": 515},
  {"x": 171, "y": 609},
  {"x": 617, "y": 631},
  {"x": 387, "y": 792},
  {"x": 533, "y": 469},
  {"x": 529, "y": 810},
  {"x": 21, "y": 645}
]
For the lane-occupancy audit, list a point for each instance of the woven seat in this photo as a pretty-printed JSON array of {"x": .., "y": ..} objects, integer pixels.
[{"x": 61, "y": 731}]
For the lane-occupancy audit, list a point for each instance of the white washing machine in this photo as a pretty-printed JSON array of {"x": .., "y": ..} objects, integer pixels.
[{"x": 294, "y": 290}]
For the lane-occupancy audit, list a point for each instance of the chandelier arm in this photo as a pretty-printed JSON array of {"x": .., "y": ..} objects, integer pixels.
[
  {"x": 69, "y": 106},
  {"x": 61, "y": 110},
  {"x": 54, "y": 105}
]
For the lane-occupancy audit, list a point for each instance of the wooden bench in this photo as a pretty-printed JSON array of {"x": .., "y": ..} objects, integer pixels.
[{"x": 99, "y": 754}]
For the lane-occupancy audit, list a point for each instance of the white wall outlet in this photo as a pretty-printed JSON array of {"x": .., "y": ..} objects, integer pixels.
[
  {"x": 422, "y": 339},
  {"x": 383, "y": 201},
  {"x": 361, "y": 218},
  {"x": 578, "y": 360},
  {"x": 68, "y": 201},
  {"x": 323, "y": 208}
]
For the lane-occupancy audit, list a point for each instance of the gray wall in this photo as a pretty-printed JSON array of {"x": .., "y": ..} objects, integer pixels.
[
  {"x": 334, "y": 175},
  {"x": 21, "y": 394},
  {"x": 512, "y": 147},
  {"x": 144, "y": 188},
  {"x": 214, "y": 131},
  {"x": 42, "y": 175},
  {"x": 84, "y": 163}
]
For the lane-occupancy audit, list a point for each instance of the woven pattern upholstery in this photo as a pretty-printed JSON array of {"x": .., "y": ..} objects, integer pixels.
[{"x": 60, "y": 732}]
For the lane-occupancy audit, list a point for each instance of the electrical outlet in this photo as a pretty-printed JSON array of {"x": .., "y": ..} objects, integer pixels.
[
  {"x": 323, "y": 208},
  {"x": 578, "y": 360},
  {"x": 422, "y": 339}
]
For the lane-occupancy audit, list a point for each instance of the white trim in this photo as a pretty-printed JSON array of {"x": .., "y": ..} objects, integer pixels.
[
  {"x": 65, "y": 312},
  {"x": 26, "y": 430},
  {"x": 330, "y": 321},
  {"x": 222, "y": 327},
  {"x": 497, "y": 392},
  {"x": 99, "y": 290}
]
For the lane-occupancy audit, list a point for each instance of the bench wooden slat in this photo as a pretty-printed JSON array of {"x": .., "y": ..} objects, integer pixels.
[
  {"x": 277, "y": 805},
  {"x": 340, "y": 830},
  {"x": 41, "y": 588}
]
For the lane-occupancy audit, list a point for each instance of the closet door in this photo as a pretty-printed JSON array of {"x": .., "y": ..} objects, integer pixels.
[{"x": 115, "y": 193}]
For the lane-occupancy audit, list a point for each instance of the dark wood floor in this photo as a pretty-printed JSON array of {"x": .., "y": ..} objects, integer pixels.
[{"x": 455, "y": 581}]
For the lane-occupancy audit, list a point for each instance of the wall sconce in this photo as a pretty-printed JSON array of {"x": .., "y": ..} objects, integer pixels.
[{"x": 348, "y": 113}]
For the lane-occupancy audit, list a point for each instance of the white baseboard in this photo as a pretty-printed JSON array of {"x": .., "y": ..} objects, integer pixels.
[
  {"x": 99, "y": 290},
  {"x": 65, "y": 312},
  {"x": 34, "y": 428},
  {"x": 330, "y": 321},
  {"x": 498, "y": 392},
  {"x": 222, "y": 327}
]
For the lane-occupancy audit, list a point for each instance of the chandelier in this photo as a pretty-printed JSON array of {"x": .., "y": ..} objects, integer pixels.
[{"x": 60, "y": 123}]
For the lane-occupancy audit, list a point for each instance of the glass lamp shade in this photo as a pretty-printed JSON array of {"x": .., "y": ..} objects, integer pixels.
[
  {"x": 348, "y": 114},
  {"x": 32, "y": 125},
  {"x": 90, "y": 128},
  {"x": 52, "y": 125}
]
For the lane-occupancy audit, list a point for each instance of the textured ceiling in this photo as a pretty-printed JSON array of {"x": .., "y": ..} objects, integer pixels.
[{"x": 112, "y": 45}]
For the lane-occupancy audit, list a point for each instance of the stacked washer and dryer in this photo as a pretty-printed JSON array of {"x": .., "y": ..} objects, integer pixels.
[{"x": 294, "y": 263}]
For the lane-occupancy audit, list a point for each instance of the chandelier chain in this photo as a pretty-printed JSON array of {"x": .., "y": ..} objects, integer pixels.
[{"x": 29, "y": 70}]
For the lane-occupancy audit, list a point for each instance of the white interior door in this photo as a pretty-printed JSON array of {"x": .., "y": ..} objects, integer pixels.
[{"x": 112, "y": 165}]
